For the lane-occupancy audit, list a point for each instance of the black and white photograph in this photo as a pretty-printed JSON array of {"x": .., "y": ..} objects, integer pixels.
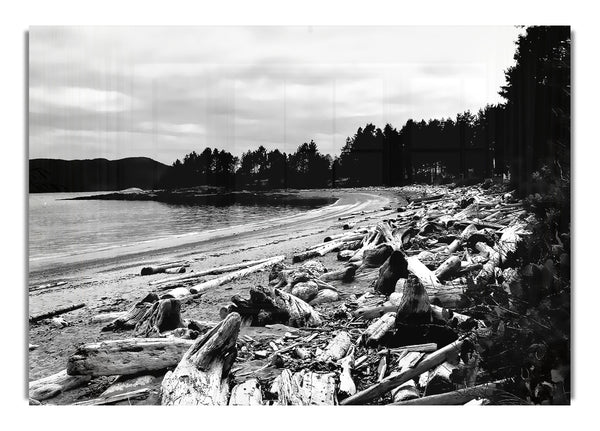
[{"x": 299, "y": 215}]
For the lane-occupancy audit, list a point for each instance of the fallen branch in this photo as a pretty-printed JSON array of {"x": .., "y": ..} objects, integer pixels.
[
  {"x": 217, "y": 270},
  {"x": 54, "y": 313},
  {"x": 199, "y": 288},
  {"x": 392, "y": 382}
]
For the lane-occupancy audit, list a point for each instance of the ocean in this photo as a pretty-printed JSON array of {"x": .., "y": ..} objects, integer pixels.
[{"x": 58, "y": 226}]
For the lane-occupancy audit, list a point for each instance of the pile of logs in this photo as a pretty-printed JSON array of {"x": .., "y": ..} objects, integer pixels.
[{"x": 383, "y": 325}]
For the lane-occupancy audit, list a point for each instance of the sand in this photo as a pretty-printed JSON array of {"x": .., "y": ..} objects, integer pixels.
[{"x": 110, "y": 280}]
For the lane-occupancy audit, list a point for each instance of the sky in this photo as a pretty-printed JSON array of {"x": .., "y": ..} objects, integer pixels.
[{"x": 162, "y": 92}]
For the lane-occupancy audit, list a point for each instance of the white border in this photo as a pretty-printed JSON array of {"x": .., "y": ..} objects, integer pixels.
[{"x": 16, "y": 18}]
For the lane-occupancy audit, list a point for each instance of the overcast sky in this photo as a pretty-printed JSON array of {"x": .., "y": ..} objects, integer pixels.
[{"x": 162, "y": 92}]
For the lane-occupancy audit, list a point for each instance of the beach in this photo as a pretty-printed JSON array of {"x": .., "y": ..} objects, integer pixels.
[{"x": 109, "y": 280}]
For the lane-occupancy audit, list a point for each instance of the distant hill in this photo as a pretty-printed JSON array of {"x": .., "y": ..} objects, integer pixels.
[{"x": 55, "y": 175}]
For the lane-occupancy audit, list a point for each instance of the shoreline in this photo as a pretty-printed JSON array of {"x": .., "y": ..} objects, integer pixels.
[{"x": 108, "y": 282}]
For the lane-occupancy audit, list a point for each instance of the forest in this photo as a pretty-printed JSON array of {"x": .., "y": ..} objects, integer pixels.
[{"x": 527, "y": 134}]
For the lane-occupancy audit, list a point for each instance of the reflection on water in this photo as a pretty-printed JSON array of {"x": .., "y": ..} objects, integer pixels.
[{"x": 58, "y": 226}]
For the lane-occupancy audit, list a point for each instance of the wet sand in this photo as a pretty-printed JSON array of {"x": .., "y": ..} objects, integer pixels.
[{"x": 110, "y": 280}]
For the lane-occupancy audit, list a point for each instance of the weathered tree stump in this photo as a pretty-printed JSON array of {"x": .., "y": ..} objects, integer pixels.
[
  {"x": 201, "y": 378},
  {"x": 394, "y": 268},
  {"x": 164, "y": 315},
  {"x": 131, "y": 318}
]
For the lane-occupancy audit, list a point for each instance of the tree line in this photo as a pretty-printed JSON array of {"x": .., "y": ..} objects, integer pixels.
[{"x": 530, "y": 130}]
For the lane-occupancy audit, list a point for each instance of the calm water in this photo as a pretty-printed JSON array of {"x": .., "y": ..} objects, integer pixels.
[{"x": 58, "y": 226}]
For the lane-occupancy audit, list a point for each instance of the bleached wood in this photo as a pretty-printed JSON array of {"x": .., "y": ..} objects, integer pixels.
[
  {"x": 427, "y": 278},
  {"x": 124, "y": 384},
  {"x": 305, "y": 388},
  {"x": 408, "y": 390},
  {"x": 201, "y": 377},
  {"x": 457, "y": 397},
  {"x": 440, "y": 380},
  {"x": 217, "y": 270},
  {"x": 379, "y": 328},
  {"x": 127, "y": 356},
  {"x": 337, "y": 348},
  {"x": 112, "y": 399},
  {"x": 246, "y": 394},
  {"x": 202, "y": 287},
  {"x": 178, "y": 292},
  {"x": 449, "y": 267},
  {"x": 347, "y": 386},
  {"x": 51, "y": 386},
  {"x": 392, "y": 382}
]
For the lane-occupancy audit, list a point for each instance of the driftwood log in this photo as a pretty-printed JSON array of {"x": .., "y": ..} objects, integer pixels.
[
  {"x": 201, "y": 287},
  {"x": 337, "y": 348},
  {"x": 378, "y": 329},
  {"x": 126, "y": 357},
  {"x": 458, "y": 397},
  {"x": 53, "y": 385},
  {"x": 54, "y": 313},
  {"x": 392, "y": 382},
  {"x": 201, "y": 377}
]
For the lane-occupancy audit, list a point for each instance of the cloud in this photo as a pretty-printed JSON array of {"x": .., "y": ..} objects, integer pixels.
[
  {"x": 164, "y": 91},
  {"x": 89, "y": 99}
]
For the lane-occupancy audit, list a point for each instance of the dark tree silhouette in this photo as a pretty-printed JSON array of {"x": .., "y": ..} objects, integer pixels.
[{"x": 531, "y": 130}]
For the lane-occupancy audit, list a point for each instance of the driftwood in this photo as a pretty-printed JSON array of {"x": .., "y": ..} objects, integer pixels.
[
  {"x": 54, "y": 313},
  {"x": 106, "y": 317},
  {"x": 421, "y": 348},
  {"x": 124, "y": 384},
  {"x": 392, "y": 382},
  {"x": 347, "y": 386},
  {"x": 112, "y": 399},
  {"x": 427, "y": 278},
  {"x": 178, "y": 293},
  {"x": 53, "y": 385},
  {"x": 157, "y": 269},
  {"x": 415, "y": 307},
  {"x": 450, "y": 267},
  {"x": 201, "y": 378},
  {"x": 375, "y": 257},
  {"x": 408, "y": 390},
  {"x": 378, "y": 329},
  {"x": 325, "y": 295},
  {"x": 216, "y": 270},
  {"x": 164, "y": 315},
  {"x": 345, "y": 274},
  {"x": 394, "y": 268},
  {"x": 337, "y": 348},
  {"x": 466, "y": 233},
  {"x": 271, "y": 305},
  {"x": 246, "y": 394},
  {"x": 305, "y": 388},
  {"x": 458, "y": 397},
  {"x": 126, "y": 357},
  {"x": 199, "y": 288},
  {"x": 132, "y": 317},
  {"x": 440, "y": 379}
]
